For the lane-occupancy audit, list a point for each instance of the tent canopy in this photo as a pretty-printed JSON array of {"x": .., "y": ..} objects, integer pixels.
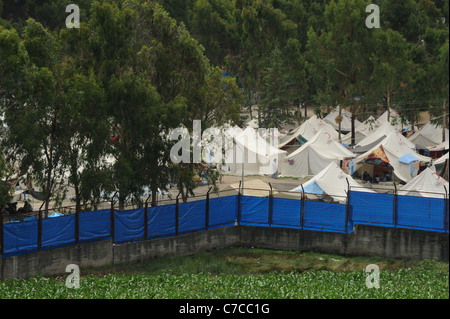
[
  {"x": 429, "y": 135},
  {"x": 333, "y": 182},
  {"x": 254, "y": 152},
  {"x": 361, "y": 131},
  {"x": 427, "y": 184},
  {"x": 394, "y": 148},
  {"x": 346, "y": 122},
  {"x": 307, "y": 131},
  {"x": 314, "y": 156},
  {"x": 384, "y": 130}
]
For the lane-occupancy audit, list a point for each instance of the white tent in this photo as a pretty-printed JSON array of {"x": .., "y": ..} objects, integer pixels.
[
  {"x": 346, "y": 122},
  {"x": 314, "y": 156},
  {"x": 441, "y": 165},
  {"x": 394, "y": 119},
  {"x": 331, "y": 181},
  {"x": 399, "y": 155},
  {"x": 427, "y": 184},
  {"x": 253, "y": 151},
  {"x": 441, "y": 146},
  {"x": 308, "y": 130},
  {"x": 441, "y": 159},
  {"x": 384, "y": 130},
  {"x": 362, "y": 131},
  {"x": 429, "y": 135}
]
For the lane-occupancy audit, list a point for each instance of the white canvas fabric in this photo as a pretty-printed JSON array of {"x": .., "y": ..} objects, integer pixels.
[
  {"x": 333, "y": 182},
  {"x": 252, "y": 149},
  {"x": 346, "y": 123},
  {"x": 394, "y": 120},
  {"x": 385, "y": 129},
  {"x": 441, "y": 159},
  {"x": 429, "y": 135},
  {"x": 395, "y": 147},
  {"x": 427, "y": 184},
  {"x": 314, "y": 156},
  {"x": 308, "y": 129},
  {"x": 362, "y": 131}
]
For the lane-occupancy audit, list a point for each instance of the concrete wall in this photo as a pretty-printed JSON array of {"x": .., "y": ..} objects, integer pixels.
[
  {"x": 101, "y": 253},
  {"x": 365, "y": 241}
]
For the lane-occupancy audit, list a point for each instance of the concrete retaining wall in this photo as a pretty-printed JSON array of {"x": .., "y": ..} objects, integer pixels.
[{"x": 365, "y": 241}]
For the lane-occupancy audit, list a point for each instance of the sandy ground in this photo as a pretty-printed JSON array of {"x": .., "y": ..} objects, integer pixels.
[{"x": 229, "y": 184}]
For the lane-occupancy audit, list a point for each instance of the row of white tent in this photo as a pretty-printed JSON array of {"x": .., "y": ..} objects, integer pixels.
[
  {"x": 314, "y": 145},
  {"x": 332, "y": 181}
]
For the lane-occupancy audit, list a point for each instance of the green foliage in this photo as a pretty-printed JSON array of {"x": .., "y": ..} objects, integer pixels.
[
  {"x": 218, "y": 276},
  {"x": 4, "y": 187}
]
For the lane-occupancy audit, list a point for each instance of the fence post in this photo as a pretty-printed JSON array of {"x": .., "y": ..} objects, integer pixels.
[
  {"x": 302, "y": 208},
  {"x": 445, "y": 210},
  {"x": 177, "y": 214},
  {"x": 207, "y": 209},
  {"x": 40, "y": 227},
  {"x": 77, "y": 225},
  {"x": 113, "y": 216},
  {"x": 146, "y": 217},
  {"x": 1, "y": 231},
  {"x": 347, "y": 210},
  {"x": 270, "y": 217},
  {"x": 239, "y": 205},
  {"x": 395, "y": 212}
]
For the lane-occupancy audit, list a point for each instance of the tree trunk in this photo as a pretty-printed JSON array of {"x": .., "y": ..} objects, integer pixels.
[
  {"x": 444, "y": 122},
  {"x": 154, "y": 197},
  {"x": 353, "y": 126},
  {"x": 340, "y": 121},
  {"x": 388, "y": 97},
  {"x": 48, "y": 188},
  {"x": 77, "y": 199}
]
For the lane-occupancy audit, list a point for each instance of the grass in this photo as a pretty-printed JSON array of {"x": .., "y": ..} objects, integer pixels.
[{"x": 238, "y": 273}]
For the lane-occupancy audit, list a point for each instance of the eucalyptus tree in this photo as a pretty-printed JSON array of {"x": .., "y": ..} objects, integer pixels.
[
  {"x": 262, "y": 27},
  {"x": 393, "y": 68},
  {"x": 339, "y": 56},
  {"x": 35, "y": 125}
]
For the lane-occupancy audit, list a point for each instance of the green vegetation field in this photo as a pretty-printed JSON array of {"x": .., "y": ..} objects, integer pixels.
[{"x": 239, "y": 273}]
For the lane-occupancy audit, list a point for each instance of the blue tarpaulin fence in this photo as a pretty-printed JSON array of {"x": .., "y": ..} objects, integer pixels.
[{"x": 388, "y": 210}]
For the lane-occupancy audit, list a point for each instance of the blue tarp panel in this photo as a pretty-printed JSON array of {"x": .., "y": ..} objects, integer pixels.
[
  {"x": 420, "y": 212},
  {"x": 58, "y": 231},
  {"x": 286, "y": 212},
  {"x": 255, "y": 211},
  {"x": 95, "y": 225},
  {"x": 324, "y": 216},
  {"x": 56, "y": 214},
  {"x": 20, "y": 237},
  {"x": 192, "y": 216},
  {"x": 408, "y": 158},
  {"x": 129, "y": 225},
  {"x": 372, "y": 208},
  {"x": 313, "y": 188},
  {"x": 161, "y": 221},
  {"x": 223, "y": 211}
]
